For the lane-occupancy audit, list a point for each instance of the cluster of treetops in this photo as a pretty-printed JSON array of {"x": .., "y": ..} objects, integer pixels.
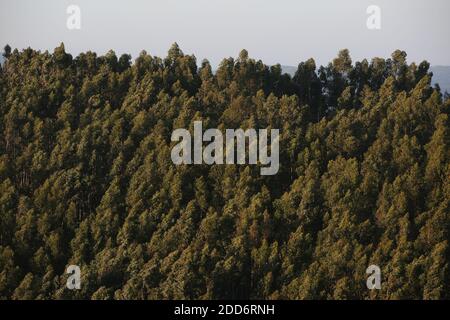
[{"x": 86, "y": 179}]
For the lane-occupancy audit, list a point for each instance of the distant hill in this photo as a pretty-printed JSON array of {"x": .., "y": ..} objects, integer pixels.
[
  {"x": 289, "y": 70},
  {"x": 441, "y": 75},
  {"x": 1, "y": 59}
]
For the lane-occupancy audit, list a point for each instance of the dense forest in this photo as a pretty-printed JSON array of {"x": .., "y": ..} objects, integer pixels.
[{"x": 86, "y": 179}]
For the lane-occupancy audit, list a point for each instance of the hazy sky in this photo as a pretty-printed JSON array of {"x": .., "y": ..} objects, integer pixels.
[{"x": 276, "y": 31}]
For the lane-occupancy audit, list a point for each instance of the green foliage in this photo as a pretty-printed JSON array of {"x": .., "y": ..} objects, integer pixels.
[{"x": 86, "y": 178}]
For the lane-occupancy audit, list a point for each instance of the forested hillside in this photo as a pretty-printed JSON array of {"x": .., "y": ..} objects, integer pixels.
[{"x": 86, "y": 178}]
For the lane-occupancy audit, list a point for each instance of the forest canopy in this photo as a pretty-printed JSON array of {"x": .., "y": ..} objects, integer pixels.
[{"x": 86, "y": 179}]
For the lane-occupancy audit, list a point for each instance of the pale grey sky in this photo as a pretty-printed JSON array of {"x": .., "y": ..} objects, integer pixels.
[{"x": 276, "y": 31}]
